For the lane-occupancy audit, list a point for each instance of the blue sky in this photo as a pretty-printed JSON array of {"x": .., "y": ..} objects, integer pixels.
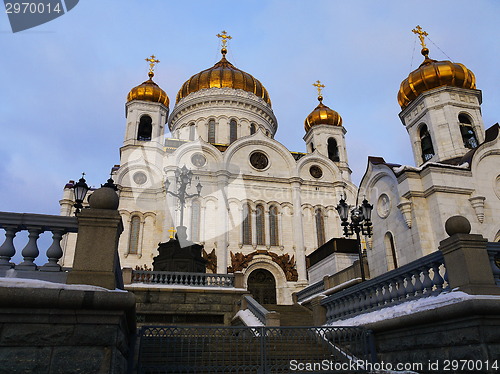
[{"x": 64, "y": 83}]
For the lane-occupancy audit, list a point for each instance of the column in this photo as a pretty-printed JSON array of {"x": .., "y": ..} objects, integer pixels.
[{"x": 298, "y": 228}]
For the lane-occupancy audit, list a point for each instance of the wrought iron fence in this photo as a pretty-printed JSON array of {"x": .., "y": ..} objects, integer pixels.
[{"x": 236, "y": 349}]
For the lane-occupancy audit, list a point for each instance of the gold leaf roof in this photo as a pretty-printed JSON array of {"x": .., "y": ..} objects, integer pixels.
[
  {"x": 148, "y": 91},
  {"x": 322, "y": 115}
]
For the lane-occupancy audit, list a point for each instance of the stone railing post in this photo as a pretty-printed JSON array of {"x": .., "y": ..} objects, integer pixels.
[
  {"x": 127, "y": 275},
  {"x": 272, "y": 319},
  {"x": 239, "y": 280},
  {"x": 466, "y": 259},
  {"x": 99, "y": 229},
  {"x": 319, "y": 311}
]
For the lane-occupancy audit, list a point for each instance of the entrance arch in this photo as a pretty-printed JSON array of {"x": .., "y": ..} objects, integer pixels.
[{"x": 262, "y": 285}]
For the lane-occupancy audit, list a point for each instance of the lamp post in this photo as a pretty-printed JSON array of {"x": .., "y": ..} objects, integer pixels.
[
  {"x": 80, "y": 190},
  {"x": 183, "y": 177},
  {"x": 360, "y": 224}
]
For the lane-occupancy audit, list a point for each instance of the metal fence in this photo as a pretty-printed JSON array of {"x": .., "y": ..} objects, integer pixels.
[{"x": 236, "y": 349}]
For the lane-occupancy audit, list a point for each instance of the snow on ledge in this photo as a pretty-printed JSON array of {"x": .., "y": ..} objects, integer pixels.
[
  {"x": 35, "y": 283},
  {"x": 248, "y": 318},
  {"x": 402, "y": 168},
  {"x": 410, "y": 307}
]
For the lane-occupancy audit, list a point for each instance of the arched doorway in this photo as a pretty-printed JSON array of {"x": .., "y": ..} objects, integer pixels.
[{"x": 262, "y": 286}]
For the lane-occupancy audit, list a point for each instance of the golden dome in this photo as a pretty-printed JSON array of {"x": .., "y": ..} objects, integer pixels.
[
  {"x": 223, "y": 74},
  {"x": 322, "y": 115},
  {"x": 432, "y": 74},
  {"x": 148, "y": 91}
]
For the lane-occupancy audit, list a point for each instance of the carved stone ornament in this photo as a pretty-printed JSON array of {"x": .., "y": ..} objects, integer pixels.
[
  {"x": 140, "y": 178},
  {"x": 477, "y": 203},
  {"x": 198, "y": 160},
  {"x": 383, "y": 206},
  {"x": 239, "y": 261},
  {"x": 211, "y": 260},
  {"x": 316, "y": 171},
  {"x": 259, "y": 160},
  {"x": 405, "y": 208}
]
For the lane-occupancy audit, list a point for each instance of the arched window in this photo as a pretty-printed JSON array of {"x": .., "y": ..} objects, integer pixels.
[
  {"x": 195, "y": 221},
  {"x": 247, "y": 224},
  {"x": 211, "y": 131},
  {"x": 312, "y": 147},
  {"x": 267, "y": 133},
  {"x": 273, "y": 226},
  {"x": 260, "y": 225},
  {"x": 320, "y": 227},
  {"x": 252, "y": 128},
  {"x": 467, "y": 131},
  {"x": 191, "y": 131},
  {"x": 233, "y": 131},
  {"x": 333, "y": 150},
  {"x": 133, "y": 243},
  {"x": 145, "y": 128},
  {"x": 426, "y": 144},
  {"x": 390, "y": 251}
]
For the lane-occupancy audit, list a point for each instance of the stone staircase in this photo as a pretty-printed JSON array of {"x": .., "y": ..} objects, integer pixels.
[{"x": 292, "y": 315}]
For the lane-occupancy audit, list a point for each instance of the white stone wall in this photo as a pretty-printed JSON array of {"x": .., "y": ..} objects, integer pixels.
[{"x": 330, "y": 265}]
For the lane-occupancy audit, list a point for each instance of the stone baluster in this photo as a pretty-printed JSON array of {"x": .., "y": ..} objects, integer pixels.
[
  {"x": 427, "y": 283},
  {"x": 496, "y": 270},
  {"x": 30, "y": 251},
  {"x": 401, "y": 289},
  {"x": 419, "y": 287},
  {"x": 394, "y": 292},
  {"x": 410, "y": 288},
  {"x": 54, "y": 252},
  {"x": 379, "y": 299},
  {"x": 437, "y": 279},
  {"x": 7, "y": 250}
]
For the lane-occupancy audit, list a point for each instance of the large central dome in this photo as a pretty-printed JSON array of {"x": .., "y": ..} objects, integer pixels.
[{"x": 223, "y": 74}]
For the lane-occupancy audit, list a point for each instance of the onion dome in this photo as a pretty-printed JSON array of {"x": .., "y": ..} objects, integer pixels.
[
  {"x": 223, "y": 74},
  {"x": 432, "y": 74},
  {"x": 149, "y": 91},
  {"x": 322, "y": 115}
]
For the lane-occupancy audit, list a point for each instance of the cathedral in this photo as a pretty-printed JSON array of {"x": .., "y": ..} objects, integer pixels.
[{"x": 261, "y": 208}]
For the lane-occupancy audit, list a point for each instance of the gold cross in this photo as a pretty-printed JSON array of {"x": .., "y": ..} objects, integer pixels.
[
  {"x": 152, "y": 61},
  {"x": 421, "y": 35},
  {"x": 171, "y": 231},
  {"x": 319, "y": 86},
  {"x": 223, "y": 35}
]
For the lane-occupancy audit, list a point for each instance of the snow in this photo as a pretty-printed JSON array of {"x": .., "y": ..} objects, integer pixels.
[
  {"x": 35, "y": 283},
  {"x": 410, "y": 307},
  {"x": 248, "y": 318},
  {"x": 402, "y": 168}
]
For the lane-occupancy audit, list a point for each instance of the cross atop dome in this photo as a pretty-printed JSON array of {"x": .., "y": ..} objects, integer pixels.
[
  {"x": 224, "y": 38},
  {"x": 152, "y": 62},
  {"x": 319, "y": 87},
  {"x": 421, "y": 35}
]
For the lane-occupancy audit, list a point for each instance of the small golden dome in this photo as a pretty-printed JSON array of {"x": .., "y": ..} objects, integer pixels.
[
  {"x": 322, "y": 115},
  {"x": 149, "y": 91},
  {"x": 432, "y": 74},
  {"x": 223, "y": 74}
]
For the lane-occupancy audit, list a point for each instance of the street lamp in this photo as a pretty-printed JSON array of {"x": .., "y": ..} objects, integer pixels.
[
  {"x": 360, "y": 224},
  {"x": 80, "y": 190},
  {"x": 183, "y": 177}
]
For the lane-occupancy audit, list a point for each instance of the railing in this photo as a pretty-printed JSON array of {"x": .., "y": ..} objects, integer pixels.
[
  {"x": 311, "y": 290},
  {"x": 409, "y": 282},
  {"x": 238, "y": 349},
  {"x": 183, "y": 279},
  {"x": 35, "y": 224},
  {"x": 257, "y": 310},
  {"x": 493, "y": 249}
]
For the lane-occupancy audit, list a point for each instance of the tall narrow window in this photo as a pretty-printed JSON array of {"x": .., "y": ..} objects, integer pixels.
[
  {"x": 390, "y": 250},
  {"x": 333, "y": 150},
  {"x": 320, "y": 227},
  {"x": 211, "y": 131},
  {"x": 252, "y": 128},
  {"x": 312, "y": 147},
  {"x": 233, "y": 131},
  {"x": 467, "y": 131},
  {"x": 133, "y": 243},
  {"x": 195, "y": 221},
  {"x": 191, "y": 132},
  {"x": 273, "y": 226},
  {"x": 145, "y": 128},
  {"x": 260, "y": 223},
  {"x": 247, "y": 224},
  {"x": 426, "y": 144}
]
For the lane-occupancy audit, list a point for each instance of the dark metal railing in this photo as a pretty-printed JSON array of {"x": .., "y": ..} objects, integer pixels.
[
  {"x": 311, "y": 290},
  {"x": 405, "y": 283},
  {"x": 183, "y": 279},
  {"x": 238, "y": 349},
  {"x": 493, "y": 249}
]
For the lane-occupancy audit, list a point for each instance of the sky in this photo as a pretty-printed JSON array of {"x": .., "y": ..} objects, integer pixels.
[{"x": 64, "y": 83}]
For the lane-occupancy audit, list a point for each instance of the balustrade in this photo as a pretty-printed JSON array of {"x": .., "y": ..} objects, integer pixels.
[
  {"x": 35, "y": 224},
  {"x": 183, "y": 279}
]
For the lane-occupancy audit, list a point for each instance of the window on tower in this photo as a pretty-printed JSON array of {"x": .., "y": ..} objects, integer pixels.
[
  {"x": 252, "y": 128},
  {"x": 333, "y": 150},
  {"x": 233, "y": 130},
  {"x": 467, "y": 131},
  {"x": 133, "y": 243},
  {"x": 320, "y": 227},
  {"x": 247, "y": 224},
  {"x": 191, "y": 131},
  {"x": 211, "y": 131},
  {"x": 273, "y": 226},
  {"x": 260, "y": 225},
  {"x": 145, "y": 128},
  {"x": 426, "y": 144}
]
